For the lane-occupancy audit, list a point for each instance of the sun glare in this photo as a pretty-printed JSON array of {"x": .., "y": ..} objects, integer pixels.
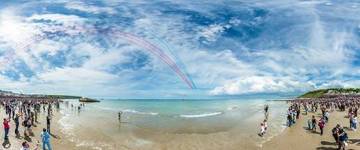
[{"x": 13, "y": 30}]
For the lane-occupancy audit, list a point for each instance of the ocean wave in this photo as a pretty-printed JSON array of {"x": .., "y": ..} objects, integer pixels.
[
  {"x": 232, "y": 108},
  {"x": 201, "y": 115},
  {"x": 66, "y": 127},
  {"x": 140, "y": 112},
  {"x": 129, "y": 111}
]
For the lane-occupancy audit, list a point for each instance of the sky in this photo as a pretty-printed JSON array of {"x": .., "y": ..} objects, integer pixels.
[{"x": 178, "y": 49}]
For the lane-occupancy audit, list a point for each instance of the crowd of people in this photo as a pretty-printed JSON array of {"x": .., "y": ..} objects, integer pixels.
[
  {"x": 26, "y": 111},
  {"x": 326, "y": 105}
]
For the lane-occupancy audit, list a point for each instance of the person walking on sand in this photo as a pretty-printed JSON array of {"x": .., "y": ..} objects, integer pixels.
[
  {"x": 36, "y": 116},
  {"x": 266, "y": 111},
  {"x": 16, "y": 120},
  {"x": 265, "y": 125},
  {"x": 6, "y": 128},
  {"x": 309, "y": 125},
  {"x": 354, "y": 121},
  {"x": 335, "y": 133},
  {"x": 298, "y": 112},
  {"x": 343, "y": 137},
  {"x": 48, "y": 123},
  {"x": 45, "y": 137},
  {"x": 326, "y": 116},
  {"x": 321, "y": 126},
  {"x": 119, "y": 116},
  {"x": 262, "y": 130},
  {"x": 313, "y": 121}
]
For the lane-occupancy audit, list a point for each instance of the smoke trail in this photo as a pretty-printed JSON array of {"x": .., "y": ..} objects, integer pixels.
[
  {"x": 139, "y": 41},
  {"x": 131, "y": 38},
  {"x": 176, "y": 57},
  {"x": 156, "y": 51}
]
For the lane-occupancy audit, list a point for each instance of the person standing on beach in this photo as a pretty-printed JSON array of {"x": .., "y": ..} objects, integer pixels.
[
  {"x": 289, "y": 118},
  {"x": 6, "y": 128},
  {"x": 310, "y": 125},
  {"x": 266, "y": 111},
  {"x": 335, "y": 133},
  {"x": 16, "y": 120},
  {"x": 351, "y": 120},
  {"x": 32, "y": 117},
  {"x": 326, "y": 116},
  {"x": 354, "y": 121},
  {"x": 321, "y": 126},
  {"x": 343, "y": 137},
  {"x": 45, "y": 137},
  {"x": 265, "y": 125},
  {"x": 119, "y": 116},
  {"x": 48, "y": 121},
  {"x": 36, "y": 116},
  {"x": 13, "y": 112},
  {"x": 313, "y": 121},
  {"x": 262, "y": 130}
]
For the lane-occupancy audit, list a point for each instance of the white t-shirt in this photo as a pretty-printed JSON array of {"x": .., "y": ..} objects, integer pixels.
[{"x": 262, "y": 129}]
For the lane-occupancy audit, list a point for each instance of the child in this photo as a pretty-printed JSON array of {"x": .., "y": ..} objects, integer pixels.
[
  {"x": 265, "y": 125},
  {"x": 310, "y": 124},
  {"x": 327, "y": 116},
  {"x": 262, "y": 129},
  {"x": 354, "y": 121}
]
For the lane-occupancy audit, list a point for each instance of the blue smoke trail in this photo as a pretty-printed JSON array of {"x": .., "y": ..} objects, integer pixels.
[{"x": 162, "y": 43}]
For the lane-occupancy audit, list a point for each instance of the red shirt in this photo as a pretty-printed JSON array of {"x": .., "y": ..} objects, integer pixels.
[{"x": 6, "y": 125}]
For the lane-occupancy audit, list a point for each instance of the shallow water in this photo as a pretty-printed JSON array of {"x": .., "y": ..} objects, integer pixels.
[{"x": 150, "y": 123}]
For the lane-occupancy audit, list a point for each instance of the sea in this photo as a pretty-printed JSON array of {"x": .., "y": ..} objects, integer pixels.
[{"x": 154, "y": 123}]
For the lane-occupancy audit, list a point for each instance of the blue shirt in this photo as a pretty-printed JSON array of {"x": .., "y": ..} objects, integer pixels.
[{"x": 45, "y": 136}]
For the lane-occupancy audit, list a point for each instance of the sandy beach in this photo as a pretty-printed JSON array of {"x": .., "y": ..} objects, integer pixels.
[
  {"x": 298, "y": 137},
  {"x": 57, "y": 138},
  {"x": 106, "y": 133}
]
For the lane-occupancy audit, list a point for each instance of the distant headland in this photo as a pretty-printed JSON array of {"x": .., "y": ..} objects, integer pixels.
[
  {"x": 13, "y": 94},
  {"x": 331, "y": 92}
]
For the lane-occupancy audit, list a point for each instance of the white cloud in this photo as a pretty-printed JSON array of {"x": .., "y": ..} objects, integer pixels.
[
  {"x": 89, "y": 8},
  {"x": 76, "y": 76},
  {"x": 260, "y": 84},
  {"x": 212, "y": 32},
  {"x": 66, "y": 20},
  {"x": 322, "y": 55},
  {"x": 47, "y": 46}
]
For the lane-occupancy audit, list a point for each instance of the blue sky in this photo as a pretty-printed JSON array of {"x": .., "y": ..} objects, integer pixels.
[{"x": 152, "y": 49}]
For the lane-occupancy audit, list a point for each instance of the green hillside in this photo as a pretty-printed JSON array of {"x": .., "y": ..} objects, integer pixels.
[{"x": 321, "y": 92}]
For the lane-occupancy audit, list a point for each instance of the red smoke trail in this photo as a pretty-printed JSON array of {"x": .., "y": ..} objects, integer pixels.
[
  {"x": 156, "y": 51},
  {"x": 127, "y": 36},
  {"x": 162, "y": 55}
]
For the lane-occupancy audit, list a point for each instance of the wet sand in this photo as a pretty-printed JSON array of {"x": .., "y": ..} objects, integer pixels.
[
  {"x": 94, "y": 128},
  {"x": 299, "y": 138}
]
